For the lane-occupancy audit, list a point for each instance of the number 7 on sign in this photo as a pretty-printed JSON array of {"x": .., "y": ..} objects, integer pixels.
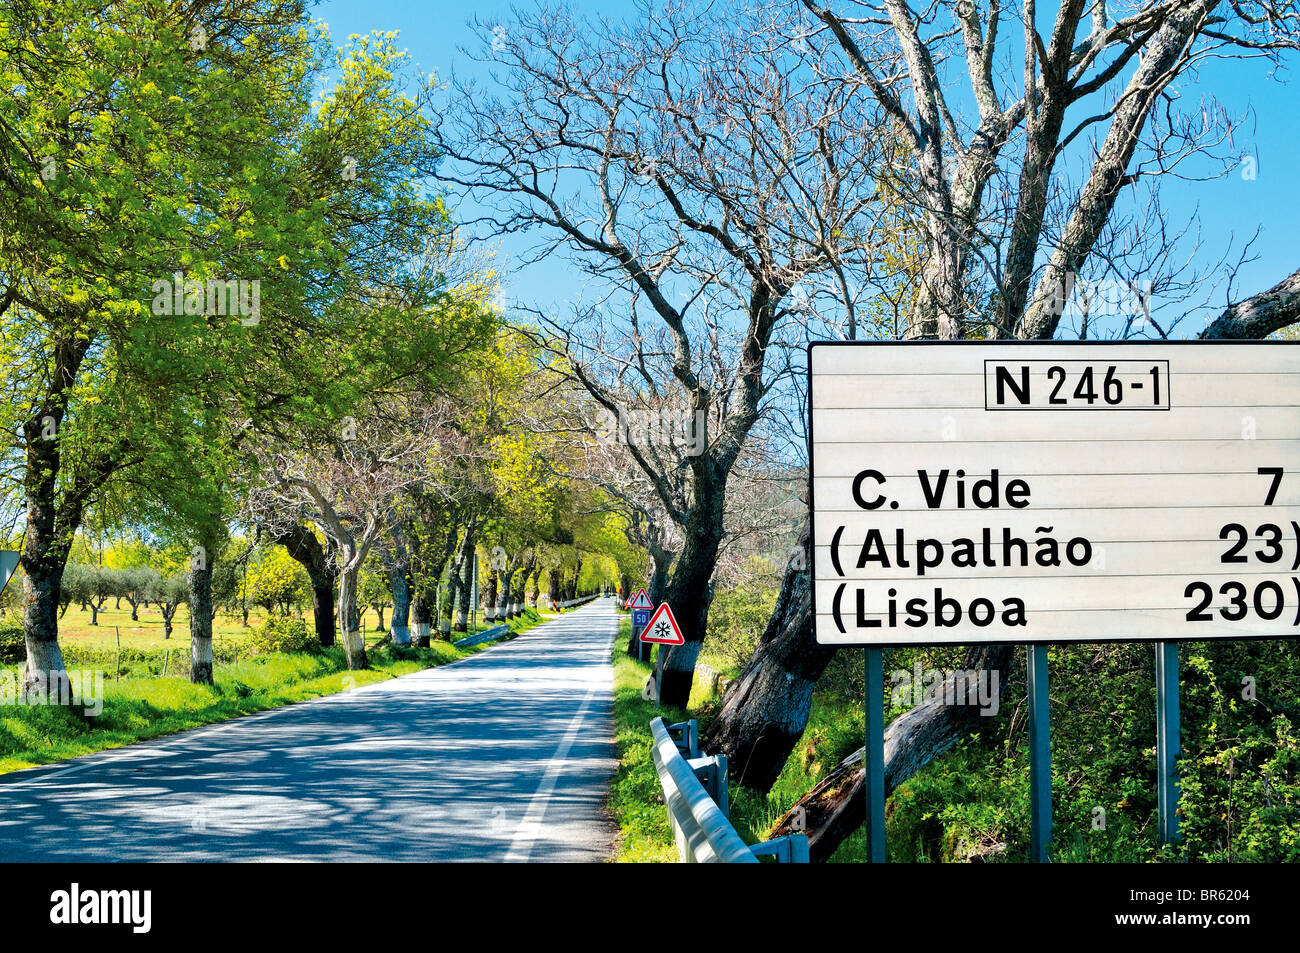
[{"x": 1276, "y": 474}]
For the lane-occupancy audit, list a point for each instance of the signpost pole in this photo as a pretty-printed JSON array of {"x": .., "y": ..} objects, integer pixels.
[
  {"x": 659, "y": 674},
  {"x": 1167, "y": 740},
  {"x": 662, "y": 629},
  {"x": 1040, "y": 754},
  {"x": 8, "y": 563},
  {"x": 874, "y": 753}
]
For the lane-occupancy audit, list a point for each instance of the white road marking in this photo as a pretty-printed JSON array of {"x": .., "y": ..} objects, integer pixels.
[{"x": 531, "y": 826}]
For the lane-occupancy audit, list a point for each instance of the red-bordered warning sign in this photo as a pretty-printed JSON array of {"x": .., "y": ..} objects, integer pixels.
[
  {"x": 663, "y": 628},
  {"x": 640, "y": 601}
]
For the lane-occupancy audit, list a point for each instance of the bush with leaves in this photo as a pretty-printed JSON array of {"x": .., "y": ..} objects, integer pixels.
[
  {"x": 283, "y": 634},
  {"x": 13, "y": 648}
]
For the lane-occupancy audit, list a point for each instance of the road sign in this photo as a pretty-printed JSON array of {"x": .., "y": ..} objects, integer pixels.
[
  {"x": 1023, "y": 492},
  {"x": 640, "y": 601},
  {"x": 663, "y": 628},
  {"x": 8, "y": 563},
  {"x": 640, "y": 617}
]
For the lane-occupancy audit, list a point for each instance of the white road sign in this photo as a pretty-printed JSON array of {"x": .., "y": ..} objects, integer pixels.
[{"x": 976, "y": 492}]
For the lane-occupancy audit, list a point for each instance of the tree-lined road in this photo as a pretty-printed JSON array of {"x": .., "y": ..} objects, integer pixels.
[{"x": 505, "y": 755}]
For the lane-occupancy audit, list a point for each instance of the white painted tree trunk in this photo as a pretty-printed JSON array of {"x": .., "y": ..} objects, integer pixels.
[
  {"x": 355, "y": 647},
  {"x": 46, "y": 672},
  {"x": 200, "y": 582},
  {"x": 46, "y": 675},
  {"x": 354, "y": 644}
]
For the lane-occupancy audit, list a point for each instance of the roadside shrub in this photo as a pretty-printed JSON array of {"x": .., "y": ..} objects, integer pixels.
[
  {"x": 278, "y": 634},
  {"x": 13, "y": 648},
  {"x": 737, "y": 618}
]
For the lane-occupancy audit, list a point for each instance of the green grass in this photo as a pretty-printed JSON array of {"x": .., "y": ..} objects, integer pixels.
[
  {"x": 144, "y": 704},
  {"x": 635, "y": 797}
]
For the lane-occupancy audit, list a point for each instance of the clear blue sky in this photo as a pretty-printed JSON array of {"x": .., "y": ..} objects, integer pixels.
[{"x": 433, "y": 33}]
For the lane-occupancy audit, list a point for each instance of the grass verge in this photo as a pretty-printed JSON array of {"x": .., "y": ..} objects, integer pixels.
[{"x": 636, "y": 799}]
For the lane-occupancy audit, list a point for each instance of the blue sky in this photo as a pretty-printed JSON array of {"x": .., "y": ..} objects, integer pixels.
[{"x": 433, "y": 32}]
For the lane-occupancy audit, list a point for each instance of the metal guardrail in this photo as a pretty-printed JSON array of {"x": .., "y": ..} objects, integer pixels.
[
  {"x": 487, "y": 635},
  {"x": 695, "y": 793}
]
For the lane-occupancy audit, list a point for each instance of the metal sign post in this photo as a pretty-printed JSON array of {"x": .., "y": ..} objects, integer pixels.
[
  {"x": 1040, "y": 493},
  {"x": 874, "y": 768},
  {"x": 640, "y": 618},
  {"x": 1167, "y": 740},
  {"x": 1040, "y": 754},
  {"x": 663, "y": 630},
  {"x": 659, "y": 674},
  {"x": 8, "y": 563}
]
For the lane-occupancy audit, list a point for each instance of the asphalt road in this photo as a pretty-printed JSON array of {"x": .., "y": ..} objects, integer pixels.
[{"x": 503, "y": 756}]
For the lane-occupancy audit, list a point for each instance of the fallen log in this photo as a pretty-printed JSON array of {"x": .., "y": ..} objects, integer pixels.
[{"x": 836, "y": 806}]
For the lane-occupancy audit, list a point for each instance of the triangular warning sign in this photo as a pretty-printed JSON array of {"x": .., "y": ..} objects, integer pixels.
[
  {"x": 640, "y": 601},
  {"x": 662, "y": 628}
]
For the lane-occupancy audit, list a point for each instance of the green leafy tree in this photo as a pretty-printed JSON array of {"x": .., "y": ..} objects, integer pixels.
[
  {"x": 275, "y": 581},
  {"x": 154, "y": 153}
]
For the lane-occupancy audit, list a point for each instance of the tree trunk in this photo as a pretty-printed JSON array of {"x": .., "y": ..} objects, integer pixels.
[
  {"x": 301, "y": 543},
  {"x": 45, "y": 673},
  {"x": 94, "y": 613},
  {"x": 465, "y": 587},
  {"x": 490, "y": 597},
  {"x": 689, "y": 593},
  {"x": 322, "y": 611},
  {"x": 423, "y": 602},
  {"x": 836, "y": 806},
  {"x": 47, "y": 537},
  {"x": 167, "y": 613},
  {"x": 453, "y": 597},
  {"x": 354, "y": 643},
  {"x": 765, "y": 710},
  {"x": 505, "y": 610},
  {"x": 661, "y": 559},
  {"x": 200, "y": 579}
]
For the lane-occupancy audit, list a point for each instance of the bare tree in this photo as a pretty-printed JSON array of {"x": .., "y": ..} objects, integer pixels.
[
  {"x": 1118, "y": 73},
  {"x": 696, "y": 173}
]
